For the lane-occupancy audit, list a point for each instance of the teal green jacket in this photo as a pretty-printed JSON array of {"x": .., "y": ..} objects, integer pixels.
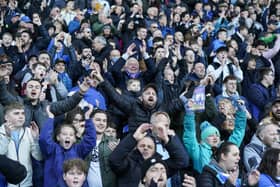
[{"x": 201, "y": 153}]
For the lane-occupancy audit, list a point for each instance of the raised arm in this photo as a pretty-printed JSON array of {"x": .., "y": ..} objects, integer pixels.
[
  {"x": 89, "y": 139},
  {"x": 123, "y": 103},
  {"x": 61, "y": 107},
  {"x": 46, "y": 141},
  {"x": 118, "y": 160},
  {"x": 239, "y": 130}
]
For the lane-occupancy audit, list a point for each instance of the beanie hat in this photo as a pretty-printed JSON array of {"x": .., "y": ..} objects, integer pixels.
[
  {"x": 207, "y": 129},
  {"x": 157, "y": 158}
]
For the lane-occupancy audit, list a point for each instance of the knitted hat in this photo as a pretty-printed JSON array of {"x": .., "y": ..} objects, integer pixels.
[
  {"x": 207, "y": 129},
  {"x": 157, "y": 158}
]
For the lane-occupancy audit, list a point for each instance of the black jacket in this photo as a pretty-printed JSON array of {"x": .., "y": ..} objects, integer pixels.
[
  {"x": 38, "y": 112},
  {"x": 126, "y": 161},
  {"x": 137, "y": 113},
  {"x": 208, "y": 178}
]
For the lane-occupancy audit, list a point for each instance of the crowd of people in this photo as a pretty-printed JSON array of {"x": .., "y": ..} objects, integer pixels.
[{"x": 139, "y": 93}]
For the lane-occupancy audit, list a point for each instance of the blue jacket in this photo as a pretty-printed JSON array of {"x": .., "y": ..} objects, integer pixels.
[
  {"x": 55, "y": 155},
  {"x": 93, "y": 97},
  {"x": 260, "y": 96},
  {"x": 201, "y": 153},
  {"x": 266, "y": 180}
]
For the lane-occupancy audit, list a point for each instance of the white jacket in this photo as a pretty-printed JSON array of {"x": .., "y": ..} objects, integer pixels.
[{"x": 27, "y": 147}]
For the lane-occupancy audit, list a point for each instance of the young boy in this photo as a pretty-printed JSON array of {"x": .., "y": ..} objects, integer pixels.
[
  {"x": 74, "y": 173},
  {"x": 64, "y": 148},
  {"x": 18, "y": 142}
]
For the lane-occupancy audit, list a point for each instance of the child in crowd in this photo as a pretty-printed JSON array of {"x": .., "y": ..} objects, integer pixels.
[
  {"x": 74, "y": 173},
  {"x": 111, "y": 130},
  {"x": 64, "y": 148}
]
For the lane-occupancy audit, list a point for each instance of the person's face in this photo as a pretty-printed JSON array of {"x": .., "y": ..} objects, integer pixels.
[
  {"x": 198, "y": 7},
  {"x": 195, "y": 47},
  {"x": 232, "y": 158},
  {"x": 163, "y": 20},
  {"x": 199, "y": 70},
  {"x": 213, "y": 140},
  {"x": 146, "y": 147},
  {"x": 32, "y": 61},
  {"x": 142, "y": 34},
  {"x": 132, "y": 65},
  {"x": 87, "y": 33},
  {"x": 190, "y": 56},
  {"x": 251, "y": 65},
  {"x": 3, "y": 3},
  {"x": 107, "y": 32},
  {"x": 276, "y": 110},
  {"x": 115, "y": 54},
  {"x": 39, "y": 72},
  {"x": 231, "y": 86},
  {"x": 45, "y": 58},
  {"x": 179, "y": 37},
  {"x": 177, "y": 18},
  {"x": 157, "y": 33},
  {"x": 160, "y": 53},
  {"x": 74, "y": 178},
  {"x": 7, "y": 40},
  {"x": 100, "y": 122},
  {"x": 229, "y": 124},
  {"x": 79, "y": 123},
  {"x": 153, "y": 27},
  {"x": 33, "y": 90},
  {"x": 66, "y": 137},
  {"x": 269, "y": 135},
  {"x": 157, "y": 173},
  {"x": 25, "y": 38},
  {"x": 169, "y": 75},
  {"x": 111, "y": 132},
  {"x": 195, "y": 30},
  {"x": 222, "y": 35},
  {"x": 70, "y": 5},
  {"x": 149, "y": 97},
  {"x": 269, "y": 78},
  {"x": 169, "y": 39},
  {"x": 86, "y": 53},
  {"x": 222, "y": 56},
  {"x": 9, "y": 67},
  {"x": 261, "y": 48},
  {"x": 15, "y": 117},
  {"x": 234, "y": 44},
  {"x": 97, "y": 45},
  {"x": 59, "y": 67},
  {"x": 55, "y": 12},
  {"x": 134, "y": 86},
  {"x": 162, "y": 120}
]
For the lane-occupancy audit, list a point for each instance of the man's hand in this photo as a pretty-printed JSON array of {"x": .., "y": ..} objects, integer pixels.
[
  {"x": 97, "y": 75},
  {"x": 161, "y": 132},
  {"x": 189, "y": 181},
  {"x": 48, "y": 110},
  {"x": 89, "y": 111},
  {"x": 253, "y": 177},
  {"x": 141, "y": 131},
  {"x": 34, "y": 130},
  {"x": 129, "y": 50}
]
